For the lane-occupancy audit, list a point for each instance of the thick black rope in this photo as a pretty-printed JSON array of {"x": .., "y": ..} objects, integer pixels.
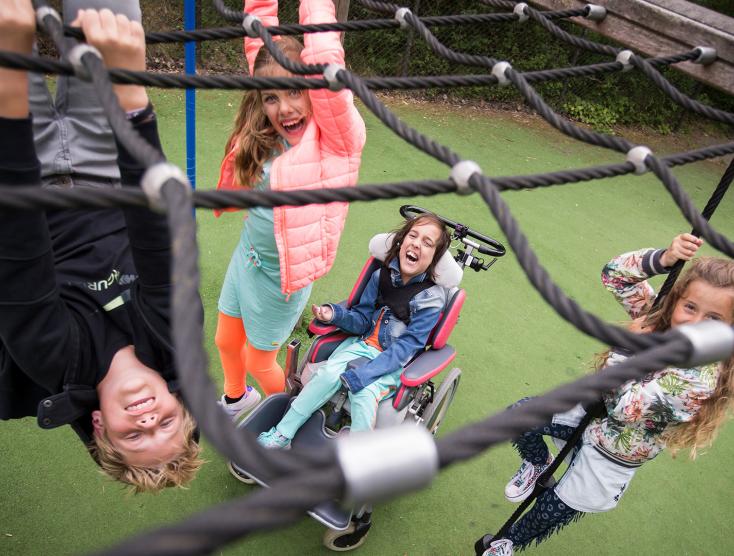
[
  {"x": 225, "y": 33},
  {"x": 509, "y": 424},
  {"x": 182, "y": 81},
  {"x": 707, "y": 213},
  {"x": 33, "y": 197},
  {"x": 284, "y": 503}
]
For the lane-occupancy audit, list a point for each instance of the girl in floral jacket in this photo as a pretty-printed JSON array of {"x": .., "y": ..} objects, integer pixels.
[{"x": 677, "y": 408}]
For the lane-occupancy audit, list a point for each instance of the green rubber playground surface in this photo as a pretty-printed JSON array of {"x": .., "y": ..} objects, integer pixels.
[{"x": 509, "y": 344}]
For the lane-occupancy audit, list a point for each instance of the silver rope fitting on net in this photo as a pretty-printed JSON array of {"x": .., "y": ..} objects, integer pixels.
[
  {"x": 521, "y": 11},
  {"x": 711, "y": 340},
  {"x": 154, "y": 179},
  {"x": 624, "y": 59},
  {"x": 400, "y": 16},
  {"x": 706, "y": 55},
  {"x": 595, "y": 12},
  {"x": 43, "y": 11},
  {"x": 637, "y": 156},
  {"x": 498, "y": 70},
  {"x": 247, "y": 24},
  {"x": 461, "y": 173},
  {"x": 331, "y": 78},
  {"x": 385, "y": 463},
  {"x": 75, "y": 56}
]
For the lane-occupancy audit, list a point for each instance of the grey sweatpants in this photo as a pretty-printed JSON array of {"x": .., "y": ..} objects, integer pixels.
[{"x": 70, "y": 129}]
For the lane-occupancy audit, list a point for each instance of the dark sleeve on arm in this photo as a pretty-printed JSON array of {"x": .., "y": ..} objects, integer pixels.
[
  {"x": 35, "y": 325},
  {"x": 147, "y": 230}
]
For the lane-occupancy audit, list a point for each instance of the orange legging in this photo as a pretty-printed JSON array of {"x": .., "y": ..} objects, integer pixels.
[{"x": 239, "y": 359}]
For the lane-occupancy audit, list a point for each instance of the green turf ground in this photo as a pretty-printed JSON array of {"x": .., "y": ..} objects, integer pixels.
[{"x": 509, "y": 342}]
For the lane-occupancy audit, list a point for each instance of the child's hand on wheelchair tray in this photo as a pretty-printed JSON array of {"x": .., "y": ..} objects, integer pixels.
[{"x": 323, "y": 313}]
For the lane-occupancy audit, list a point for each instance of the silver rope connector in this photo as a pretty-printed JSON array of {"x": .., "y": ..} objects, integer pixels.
[
  {"x": 400, "y": 16},
  {"x": 331, "y": 78},
  {"x": 75, "y": 56},
  {"x": 712, "y": 341},
  {"x": 385, "y": 463},
  {"x": 624, "y": 58},
  {"x": 637, "y": 156},
  {"x": 155, "y": 177},
  {"x": 460, "y": 174},
  {"x": 595, "y": 13},
  {"x": 521, "y": 11},
  {"x": 498, "y": 70},
  {"x": 43, "y": 11},
  {"x": 247, "y": 24},
  {"x": 706, "y": 55}
]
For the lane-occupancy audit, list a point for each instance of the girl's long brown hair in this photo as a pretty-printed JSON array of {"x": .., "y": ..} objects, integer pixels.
[
  {"x": 253, "y": 135},
  {"x": 700, "y": 431}
]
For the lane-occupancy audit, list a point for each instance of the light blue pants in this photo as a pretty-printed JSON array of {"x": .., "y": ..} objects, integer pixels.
[
  {"x": 325, "y": 383},
  {"x": 70, "y": 131}
]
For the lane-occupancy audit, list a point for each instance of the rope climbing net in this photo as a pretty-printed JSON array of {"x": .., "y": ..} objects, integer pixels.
[{"x": 300, "y": 479}]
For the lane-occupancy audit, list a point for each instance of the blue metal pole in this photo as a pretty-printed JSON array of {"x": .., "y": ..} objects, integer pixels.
[{"x": 190, "y": 66}]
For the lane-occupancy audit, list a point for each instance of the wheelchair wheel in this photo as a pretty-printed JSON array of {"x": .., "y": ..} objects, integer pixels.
[
  {"x": 436, "y": 411},
  {"x": 352, "y": 537},
  {"x": 239, "y": 475}
]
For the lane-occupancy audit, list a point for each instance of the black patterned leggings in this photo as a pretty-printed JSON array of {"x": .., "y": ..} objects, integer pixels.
[{"x": 549, "y": 514}]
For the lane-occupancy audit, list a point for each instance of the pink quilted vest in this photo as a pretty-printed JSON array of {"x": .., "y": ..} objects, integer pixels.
[{"x": 328, "y": 155}]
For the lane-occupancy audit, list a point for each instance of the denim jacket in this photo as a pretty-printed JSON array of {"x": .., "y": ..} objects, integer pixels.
[{"x": 399, "y": 342}]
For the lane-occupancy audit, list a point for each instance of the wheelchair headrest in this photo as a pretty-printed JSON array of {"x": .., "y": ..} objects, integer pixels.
[{"x": 448, "y": 272}]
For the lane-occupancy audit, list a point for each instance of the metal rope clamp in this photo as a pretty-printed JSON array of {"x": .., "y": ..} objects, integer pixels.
[
  {"x": 400, "y": 16},
  {"x": 711, "y": 340},
  {"x": 521, "y": 11},
  {"x": 385, "y": 463},
  {"x": 75, "y": 56},
  {"x": 595, "y": 12},
  {"x": 461, "y": 173},
  {"x": 624, "y": 58},
  {"x": 637, "y": 156},
  {"x": 498, "y": 70},
  {"x": 156, "y": 177},
  {"x": 43, "y": 11},
  {"x": 330, "y": 76},
  {"x": 706, "y": 55},
  {"x": 247, "y": 23}
]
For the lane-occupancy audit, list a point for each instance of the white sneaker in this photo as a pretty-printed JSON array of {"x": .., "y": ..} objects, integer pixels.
[
  {"x": 243, "y": 406},
  {"x": 522, "y": 483},
  {"x": 502, "y": 547}
]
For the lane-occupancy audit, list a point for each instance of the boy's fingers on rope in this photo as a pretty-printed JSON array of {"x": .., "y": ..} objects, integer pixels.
[{"x": 121, "y": 41}]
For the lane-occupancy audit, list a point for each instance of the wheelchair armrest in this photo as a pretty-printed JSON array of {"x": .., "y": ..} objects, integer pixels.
[
  {"x": 427, "y": 365},
  {"x": 319, "y": 328}
]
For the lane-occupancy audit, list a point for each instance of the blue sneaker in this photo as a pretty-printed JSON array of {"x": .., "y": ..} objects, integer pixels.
[{"x": 273, "y": 439}]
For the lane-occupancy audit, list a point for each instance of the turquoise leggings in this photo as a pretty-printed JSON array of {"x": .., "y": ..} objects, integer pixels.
[{"x": 325, "y": 383}]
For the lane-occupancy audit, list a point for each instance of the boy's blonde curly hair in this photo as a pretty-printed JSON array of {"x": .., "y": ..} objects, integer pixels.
[{"x": 178, "y": 472}]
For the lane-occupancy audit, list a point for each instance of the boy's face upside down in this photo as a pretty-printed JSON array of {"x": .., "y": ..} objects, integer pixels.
[{"x": 138, "y": 414}]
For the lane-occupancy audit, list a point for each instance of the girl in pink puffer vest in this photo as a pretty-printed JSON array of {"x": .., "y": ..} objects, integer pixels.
[{"x": 283, "y": 139}]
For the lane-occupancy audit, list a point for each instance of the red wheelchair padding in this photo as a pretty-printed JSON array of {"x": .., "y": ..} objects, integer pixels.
[{"x": 447, "y": 321}]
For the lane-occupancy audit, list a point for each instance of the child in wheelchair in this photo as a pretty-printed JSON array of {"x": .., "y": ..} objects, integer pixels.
[{"x": 392, "y": 322}]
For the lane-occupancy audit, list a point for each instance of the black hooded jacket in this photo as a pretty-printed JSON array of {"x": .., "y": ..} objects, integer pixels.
[{"x": 76, "y": 286}]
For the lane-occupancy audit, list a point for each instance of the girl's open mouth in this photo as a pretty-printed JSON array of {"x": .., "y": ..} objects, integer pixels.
[{"x": 294, "y": 126}]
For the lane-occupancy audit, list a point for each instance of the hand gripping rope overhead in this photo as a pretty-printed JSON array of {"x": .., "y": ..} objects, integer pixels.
[{"x": 301, "y": 479}]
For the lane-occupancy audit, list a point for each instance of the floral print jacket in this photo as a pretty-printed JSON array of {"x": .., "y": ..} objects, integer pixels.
[{"x": 639, "y": 411}]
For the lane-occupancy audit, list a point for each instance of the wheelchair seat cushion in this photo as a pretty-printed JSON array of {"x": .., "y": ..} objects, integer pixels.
[{"x": 448, "y": 272}]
